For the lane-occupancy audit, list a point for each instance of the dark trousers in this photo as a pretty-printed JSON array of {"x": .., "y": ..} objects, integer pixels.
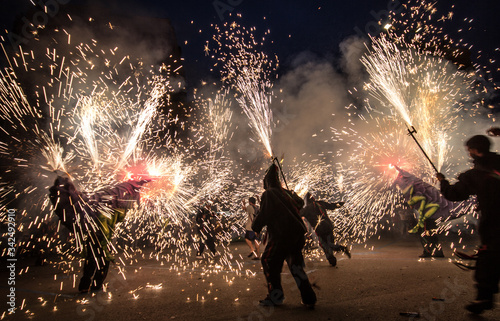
[
  {"x": 429, "y": 240},
  {"x": 272, "y": 263},
  {"x": 327, "y": 243},
  {"x": 487, "y": 273},
  {"x": 95, "y": 268},
  {"x": 209, "y": 241}
]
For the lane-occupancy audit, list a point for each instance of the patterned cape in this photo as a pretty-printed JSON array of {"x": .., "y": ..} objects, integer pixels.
[
  {"x": 447, "y": 210},
  {"x": 78, "y": 211}
]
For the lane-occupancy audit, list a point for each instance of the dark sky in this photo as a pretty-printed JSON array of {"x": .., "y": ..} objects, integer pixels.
[{"x": 318, "y": 26}]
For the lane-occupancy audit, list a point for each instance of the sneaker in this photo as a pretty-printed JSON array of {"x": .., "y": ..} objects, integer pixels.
[
  {"x": 478, "y": 306},
  {"x": 267, "y": 302}
]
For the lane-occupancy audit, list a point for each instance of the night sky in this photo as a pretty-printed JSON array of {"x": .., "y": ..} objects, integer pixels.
[{"x": 317, "y": 27}]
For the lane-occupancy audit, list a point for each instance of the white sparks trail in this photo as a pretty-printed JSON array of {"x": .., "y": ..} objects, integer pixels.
[
  {"x": 248, "y": 70},
  {"x": 413, "y": 84}
]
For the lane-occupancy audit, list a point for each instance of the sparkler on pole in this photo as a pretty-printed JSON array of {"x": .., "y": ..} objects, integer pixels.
[
  {"x": 275, "y": 159},
  {"x": 411, "y": 132}
]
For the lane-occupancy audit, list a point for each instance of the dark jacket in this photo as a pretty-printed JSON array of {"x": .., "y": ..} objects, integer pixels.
[
  {"x": 316, "y": 215},
  {"x": 279, "y": 211},
  {"x": 204, "y": 221},
  {"x": 482, "y": 180}
]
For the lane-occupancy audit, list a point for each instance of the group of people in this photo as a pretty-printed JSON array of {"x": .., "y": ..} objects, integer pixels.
[
  {"x": 282, "y": 210},
  {"x": 284, "y": 213}
]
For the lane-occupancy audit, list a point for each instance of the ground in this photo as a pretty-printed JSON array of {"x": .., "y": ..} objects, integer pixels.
[{"x": 383, "y": 279}]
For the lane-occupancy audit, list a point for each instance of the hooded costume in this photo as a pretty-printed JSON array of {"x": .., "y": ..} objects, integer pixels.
[{"x": 279, "y": 211}]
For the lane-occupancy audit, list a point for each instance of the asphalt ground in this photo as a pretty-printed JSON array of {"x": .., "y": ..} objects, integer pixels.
[{"x": 384, "y": 278}]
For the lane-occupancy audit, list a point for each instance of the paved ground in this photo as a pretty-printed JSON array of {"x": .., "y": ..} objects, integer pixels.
[{"x": 376, "y": 284}]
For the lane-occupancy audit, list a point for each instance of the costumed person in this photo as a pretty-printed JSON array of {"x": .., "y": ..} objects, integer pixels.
[
  {"x": 493, "y": 131},
  {"x": 431, "y": 207},
  {"x": 279, "y": 211},
  {"x": 251, "y": 238},
  {"x": 483, "y": 180},
  {"x": 93, "y": 220},
  {"x": 205, "y": 230},
  {"x": 315, "y": 213}
]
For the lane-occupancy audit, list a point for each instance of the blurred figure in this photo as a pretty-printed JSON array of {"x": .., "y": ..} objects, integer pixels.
[
  {"x": 251, "y": 237},
  {"x": 493, "y": 131},
  {"x": 315, "y": 213},
  {"x": 279, "y": 211},
  {"x": 205, "y": 230},
  {"x": 483, "y": 180},
  {"x": 94, "y": 219}
]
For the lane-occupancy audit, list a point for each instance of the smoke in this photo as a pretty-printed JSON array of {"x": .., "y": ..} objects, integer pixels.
[
  {"x": 312, "y": 99},
  {"x": 352, "y": 49}
]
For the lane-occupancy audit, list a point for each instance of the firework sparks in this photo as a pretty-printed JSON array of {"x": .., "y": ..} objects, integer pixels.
[{"x": 248, "y": 71}]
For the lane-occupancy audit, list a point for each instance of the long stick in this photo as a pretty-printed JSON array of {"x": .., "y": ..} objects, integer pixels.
[
  {"x": 414, "y": 131},
  {"x": 281, "y": 170}
]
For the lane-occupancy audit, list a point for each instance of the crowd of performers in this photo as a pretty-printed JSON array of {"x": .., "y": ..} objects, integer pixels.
[{"x": 285, "y": 217}]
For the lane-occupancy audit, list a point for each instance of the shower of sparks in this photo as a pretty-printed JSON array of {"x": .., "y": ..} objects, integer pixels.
[
  {"x": 91, "y": 117},
  {"x": 248, "y": 70},
  {"x": 98, "y": 116},
  {"x": 426, "y": 91},
  {"x": 413, "y": 84}
]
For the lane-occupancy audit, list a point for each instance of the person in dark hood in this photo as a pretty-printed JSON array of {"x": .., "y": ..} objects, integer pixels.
[
  {"x": 483, "y": 180},
  {"x": 315, "y": 213},
  {"x": 205, "y": 229},
  {"x": 279, "y": 211}
]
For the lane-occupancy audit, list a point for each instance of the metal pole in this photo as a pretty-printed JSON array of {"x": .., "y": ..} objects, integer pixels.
[
  {"x": 414, "y": 131},
  {"x": 281, "y": 170}
]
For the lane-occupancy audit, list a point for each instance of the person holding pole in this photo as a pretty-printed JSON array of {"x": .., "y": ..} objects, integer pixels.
[
  {"x": 279, "y": 211},
  {"x": 483, "y": 180}
]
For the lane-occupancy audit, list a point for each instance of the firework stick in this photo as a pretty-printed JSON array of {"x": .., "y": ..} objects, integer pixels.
[
  {"x": 281, "y": 170},
  {"x": 414, "y": 131}
]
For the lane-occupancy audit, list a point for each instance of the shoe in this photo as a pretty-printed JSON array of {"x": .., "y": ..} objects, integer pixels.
[
  {"x": 478, "y": 306},
  {"x": 255, "y": 258},
  {"x": 425, "y": 254},
  {"x": 250, "y": 255},
  {"x": 267, "y": 302},
  {"x": 346, "y": 251},
  {"x": 438, "y": 254},
  {"x": 95, "y": 288},
  {"x": 333, "y": 261},
  {"x": 309, "y": 306}
]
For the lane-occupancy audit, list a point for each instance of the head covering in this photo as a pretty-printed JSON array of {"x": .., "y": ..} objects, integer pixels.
[
  {"x": 480, "y": 143},
  {"x": 272, "y": 179},
  {"x": 308, "y": 199}
]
